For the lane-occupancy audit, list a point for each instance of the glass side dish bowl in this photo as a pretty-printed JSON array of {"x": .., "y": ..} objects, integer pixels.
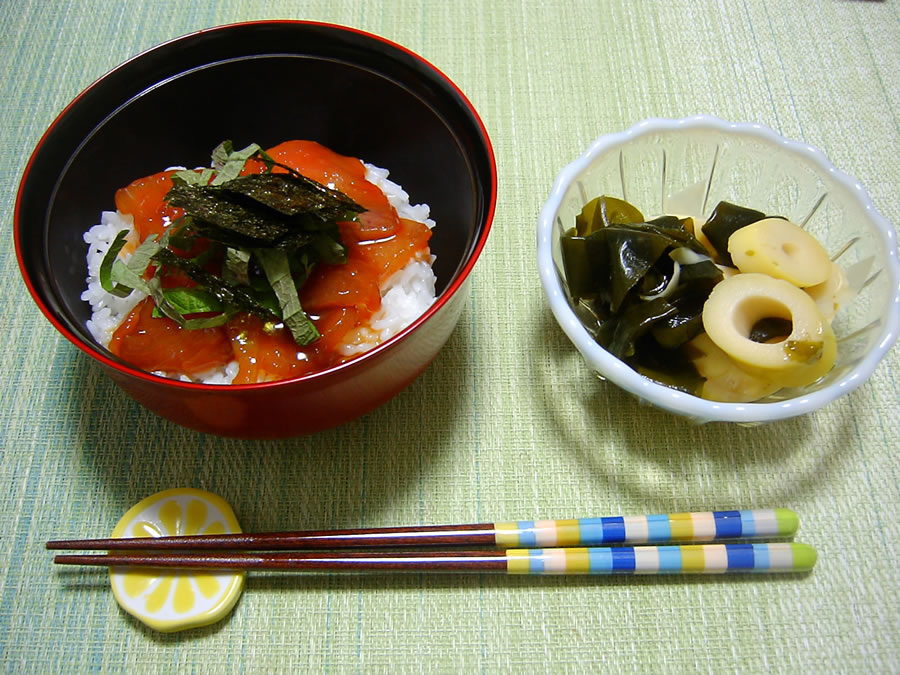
[
  {"x": 263, "y": 82},
  {"x": 686, "y": 167}
]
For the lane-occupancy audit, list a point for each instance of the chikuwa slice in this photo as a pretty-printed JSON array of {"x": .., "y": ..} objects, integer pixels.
[
  {"x": 724, "y": 380},
  {"x": 738, "y": 303},
  {"x": 173, "y": 600},
  {"x": 833, "y": 293},
  {"x": 779, "y": 248}
]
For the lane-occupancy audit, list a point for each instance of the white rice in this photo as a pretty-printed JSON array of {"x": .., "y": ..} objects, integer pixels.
[{"x": 404, "y": 296}]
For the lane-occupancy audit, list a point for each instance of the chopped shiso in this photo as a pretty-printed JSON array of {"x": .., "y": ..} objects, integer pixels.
[{"x": 259, "y": 236}]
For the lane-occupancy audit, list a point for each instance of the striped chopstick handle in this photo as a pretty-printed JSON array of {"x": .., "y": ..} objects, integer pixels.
[
  {"x": 698, "y": 526},
  {"x": 685, "y": 559}
]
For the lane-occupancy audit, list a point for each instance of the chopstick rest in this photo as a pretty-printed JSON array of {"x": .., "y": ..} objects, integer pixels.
[
  {"x": 674, "y": 527},
  {"x": 673, "y": 559}
]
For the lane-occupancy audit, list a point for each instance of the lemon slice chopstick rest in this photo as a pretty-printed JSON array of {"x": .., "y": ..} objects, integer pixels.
[{"x": 170, "y": 600}]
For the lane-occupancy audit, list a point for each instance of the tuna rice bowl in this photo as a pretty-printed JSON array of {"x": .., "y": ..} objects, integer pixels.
[{"x": 271, "y": 264}]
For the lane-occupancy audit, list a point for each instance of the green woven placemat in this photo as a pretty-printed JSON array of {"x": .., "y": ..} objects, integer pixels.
[{"x": 507, "y": 423}]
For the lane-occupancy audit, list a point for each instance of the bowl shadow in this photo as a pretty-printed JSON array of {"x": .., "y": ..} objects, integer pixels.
[
  {"x": 664, "y": 450},
  {"x": 342, "y": 477}
]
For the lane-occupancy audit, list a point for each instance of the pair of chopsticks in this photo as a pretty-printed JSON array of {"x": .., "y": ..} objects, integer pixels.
[{"x": 654, "y": 544}]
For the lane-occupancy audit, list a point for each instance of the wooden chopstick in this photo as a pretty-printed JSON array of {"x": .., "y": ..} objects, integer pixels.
[
  {"x": 428, "y": 535},
  {"x": 349, "y": 560},
  {"x": 691, "y": 558},
  {"x": 683, "y": 527}
]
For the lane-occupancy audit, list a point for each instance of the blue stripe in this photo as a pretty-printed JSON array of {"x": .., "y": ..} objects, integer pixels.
[
  {"x": 591, "y": 530},
  {"x": 527, "y": 535},
  {"x": 747, "y": 523},
  {"x": 622, "y": 559},
  {"x": 728, "y": 523},
  {"x": 613, "y": 529},
  {"x": 761, "y": 557},
  {"x": 740, "y": 556},
  {"x": 536, "y": 561},
  {"x": 658, "y": 528},
  {"x": 669, "y": 558},
  {"x": 600, "y": 560}
]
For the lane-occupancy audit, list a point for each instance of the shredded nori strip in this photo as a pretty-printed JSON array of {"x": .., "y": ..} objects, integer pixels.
[
  {"x": 292, "y": 195},
  {"x": 210, "y": 205},
  {"x": 229, "y": 294}
]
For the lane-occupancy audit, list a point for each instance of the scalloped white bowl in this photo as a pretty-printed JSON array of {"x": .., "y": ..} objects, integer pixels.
[{"x": 688, "y": 166}]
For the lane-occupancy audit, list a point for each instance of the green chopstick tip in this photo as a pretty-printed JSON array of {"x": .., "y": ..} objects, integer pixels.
[
  {"x": 788, "y": 522},
  {"x": 805, "y": 557}
]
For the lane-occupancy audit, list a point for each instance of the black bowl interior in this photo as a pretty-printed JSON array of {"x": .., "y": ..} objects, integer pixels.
[{"x": 264, "y": 83}]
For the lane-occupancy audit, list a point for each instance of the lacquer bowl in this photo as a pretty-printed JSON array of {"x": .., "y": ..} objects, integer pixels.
[{"x": 263, "y": 82}]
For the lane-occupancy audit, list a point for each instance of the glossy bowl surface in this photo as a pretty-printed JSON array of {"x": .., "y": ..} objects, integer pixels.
[
  {"x": 262, "y": 82},
  {"x": 686, "y": 166}
]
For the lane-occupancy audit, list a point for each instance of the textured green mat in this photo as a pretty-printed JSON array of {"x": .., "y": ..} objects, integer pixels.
[{"x": 507, "y": 423}]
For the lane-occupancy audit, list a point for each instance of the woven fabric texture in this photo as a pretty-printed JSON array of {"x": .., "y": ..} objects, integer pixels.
[{"x": 507, "y": 423}]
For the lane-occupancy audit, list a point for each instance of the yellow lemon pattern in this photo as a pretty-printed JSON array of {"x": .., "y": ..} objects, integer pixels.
[{"x": 171, "y": 600}]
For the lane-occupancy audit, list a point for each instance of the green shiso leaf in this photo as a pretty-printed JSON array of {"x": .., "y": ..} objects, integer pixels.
[
  {"x": 167, "y": 304},
  {"x": 105, "y": 274},
  {"x": 237, "y": 266},
  {"x": 229, "y": 162},
  {"x": 190, "y": 177},
  {"x": 277, "y": 268},
  {"x": 328, "y": 247},
  {"x": 192, "y": 300},
  {"x": 228, "y": 294},
  {"x": 120, "y": 278}
]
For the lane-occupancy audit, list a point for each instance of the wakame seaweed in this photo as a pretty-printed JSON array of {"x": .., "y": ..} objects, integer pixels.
[
  {"x": 639, "y": 286},
  {"x": 771, "y": 328},
  {"x": 725, "y": 220}
]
